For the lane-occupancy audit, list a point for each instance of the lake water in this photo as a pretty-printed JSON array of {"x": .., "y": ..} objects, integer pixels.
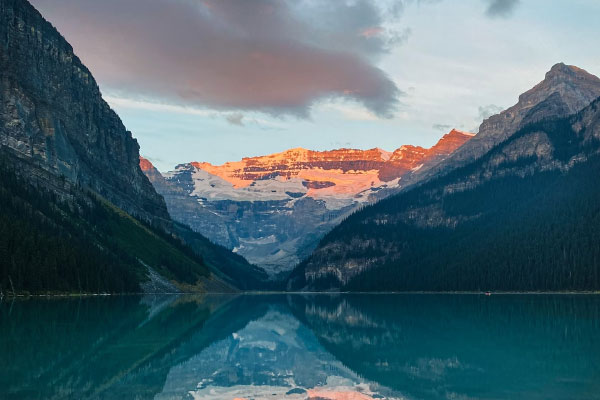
[{"x": 297, "y": 347}]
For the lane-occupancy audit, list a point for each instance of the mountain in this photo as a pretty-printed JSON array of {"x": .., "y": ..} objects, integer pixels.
[
  {"x": 53, "y": 115},
  {"x": 274, "y": 209},
  {"x": 565, "y": 90},
  {"x": 78, "y": 214},
  {"x": 524, "y": 216},
  {"x": 272, "y": 356}
]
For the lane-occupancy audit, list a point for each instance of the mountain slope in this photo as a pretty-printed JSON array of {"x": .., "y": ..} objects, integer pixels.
[
  {"x": 565, "y": 90},
  {"x": 77, "y": 187},
  {"x": 229, "y": 266},
  {"x": 523, "y": 217},
  {"x": 53, "y": 114},
  {"x": 273, "y": 209},
  {"x": 86, "y": 244}
]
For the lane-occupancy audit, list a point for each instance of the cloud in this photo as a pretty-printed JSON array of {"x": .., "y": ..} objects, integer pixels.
[
  {"x": 351, "y": 112},
  {"x": 273, "y": 56},
  {"x": 441, "y": 127},
  {"x": 125, "y": 102},
  {"x": 501, "y": 8},
  {"x": 487, "y": 111},
  {"x": 232, "y": 118},
  {"x": 484, "y": 112},
  {"x": 235, "y": 119}
]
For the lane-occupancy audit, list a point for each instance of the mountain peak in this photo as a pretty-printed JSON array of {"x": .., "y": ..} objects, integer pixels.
[
  {"x": 354, "y": 165},
  {"x": 456, "y": 132},
  {"x": 563, "y": 72},
  {"x": 145, "y": 164},
  {"x": 573, "y": 86},
  {"x": 561, "y": 68},
  {"x": 565, "y": 90},
  {"x": 450, "y": 142}
]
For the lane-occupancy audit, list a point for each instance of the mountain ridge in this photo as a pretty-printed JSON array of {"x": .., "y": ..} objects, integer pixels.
[
  {"x": 289, "y": 163},
  {"x": 273, "y": 209},
  {"x": 521, "y": 193},
  {"x": 565, "y": 90}
]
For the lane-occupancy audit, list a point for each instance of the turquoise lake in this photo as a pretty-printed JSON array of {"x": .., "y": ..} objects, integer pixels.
[{"x": 351, "y": 347}]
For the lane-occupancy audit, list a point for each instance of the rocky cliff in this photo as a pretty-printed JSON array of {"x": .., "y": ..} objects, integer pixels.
[
  {"x": 70, "y": 171},
  {"x": 346, "y": 171},
  {"x": 53, "y": 117},
  {"x": 274, "y": 209}
]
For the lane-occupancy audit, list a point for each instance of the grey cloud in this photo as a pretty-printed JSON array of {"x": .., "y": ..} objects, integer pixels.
[
  {"x": 501, "y": 8},
  {"x": 339, "y": 144},
  {"x": 441, "y": 127},
  {"x": 275, "y": 56},
  {"x": 487, "y": 111},
  {"x": 484, "y": 112},
  {"x": 235, "y": 119},
  {"x": 399, "y": 37}
]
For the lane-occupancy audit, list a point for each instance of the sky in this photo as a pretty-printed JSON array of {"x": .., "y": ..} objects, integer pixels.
[{"x": 219, "y": 80}]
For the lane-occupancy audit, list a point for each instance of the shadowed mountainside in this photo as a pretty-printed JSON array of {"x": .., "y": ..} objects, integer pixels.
[
  {"x": 521, "y": 217},
  {"x": 79, "y": 213}
]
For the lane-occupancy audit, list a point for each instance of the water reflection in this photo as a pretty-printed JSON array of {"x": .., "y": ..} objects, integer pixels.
[
  {"x": 464, "y": 346},
  {"x": 299, "y": 347}
]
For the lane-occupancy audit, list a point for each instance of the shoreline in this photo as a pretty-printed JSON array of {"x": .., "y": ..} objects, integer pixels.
[{"x": 263, "y": 293}]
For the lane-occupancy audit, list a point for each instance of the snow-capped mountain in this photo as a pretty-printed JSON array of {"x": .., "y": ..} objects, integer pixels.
[
  {"x": 272, "y": 357},
  {"x": 274, "y": 209}
]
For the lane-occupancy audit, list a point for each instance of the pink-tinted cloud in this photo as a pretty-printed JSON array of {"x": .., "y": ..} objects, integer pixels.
[
  {"x": 275, "y": 56},
  {"x": 372, "y": 31}
]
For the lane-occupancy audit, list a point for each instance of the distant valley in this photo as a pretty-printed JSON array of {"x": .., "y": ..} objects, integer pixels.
[{"x": 274, "y": 209}]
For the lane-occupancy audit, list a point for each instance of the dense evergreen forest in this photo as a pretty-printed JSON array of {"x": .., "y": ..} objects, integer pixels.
[
  {"x": 517, "y": 231},
  {"x": 230, "y": 267},
  {"x": 80, "y": 243},
  {"x": 542, "y": 235}
]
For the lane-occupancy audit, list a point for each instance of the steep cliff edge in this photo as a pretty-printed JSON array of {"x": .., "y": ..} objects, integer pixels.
[{"x": 52, "y": 114}]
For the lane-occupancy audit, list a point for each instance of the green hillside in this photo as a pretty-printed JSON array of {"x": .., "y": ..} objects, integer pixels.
[{"x": 79, "y": 242}]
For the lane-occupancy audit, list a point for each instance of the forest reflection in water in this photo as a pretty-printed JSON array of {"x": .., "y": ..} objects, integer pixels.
[{"x": 301, "y": 346}]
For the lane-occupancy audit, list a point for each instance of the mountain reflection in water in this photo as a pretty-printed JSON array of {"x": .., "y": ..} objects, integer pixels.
[{"x": 301, "y": 347}]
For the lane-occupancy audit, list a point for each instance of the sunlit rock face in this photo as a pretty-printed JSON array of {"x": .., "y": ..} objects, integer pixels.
[
  {"x": 336, "y": 173},
  {"x": 273, "y": 209}
]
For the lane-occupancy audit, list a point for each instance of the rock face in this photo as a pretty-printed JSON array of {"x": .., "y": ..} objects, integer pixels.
[
  {"x": 53, "y": 117},
  {"x": 67, "y": 146},
  {"x": 347, "y": 171},
  {"x": 274, "y": 209},
  {"x": 565, "y": 90},
  {"x": 502, "y": 221}
]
